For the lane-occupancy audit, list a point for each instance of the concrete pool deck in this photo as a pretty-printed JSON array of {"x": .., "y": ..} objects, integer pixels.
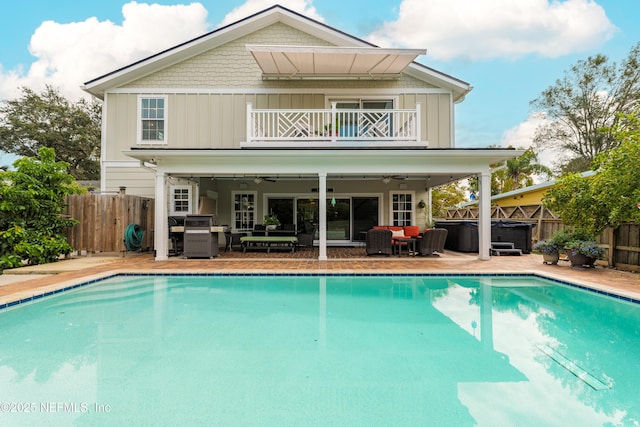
[{"x": 23, "y": 283}]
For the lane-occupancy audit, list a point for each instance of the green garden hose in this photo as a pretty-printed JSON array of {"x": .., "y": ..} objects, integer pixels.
[{"x": 133, "y": 236}]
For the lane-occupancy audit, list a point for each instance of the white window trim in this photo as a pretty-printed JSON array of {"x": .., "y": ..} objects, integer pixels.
[
  {"x": 256, "y": 218},
  {"x": 413, "y": 205},
  {"x": 359, "y": 98},
  {"x": 139, "y": 139},
  {"x": 172, "y": 206}
]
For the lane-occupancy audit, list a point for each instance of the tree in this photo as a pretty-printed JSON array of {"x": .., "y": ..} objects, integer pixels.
[
  {"x": 32, "y": 199},
  {"x": 49, "y": 120},
  {"x": 612, "y": 195},
  {"x": 586, "y": 105},
  {"x": 444, "y": 197},
  {"x": 517, "y": 173}
]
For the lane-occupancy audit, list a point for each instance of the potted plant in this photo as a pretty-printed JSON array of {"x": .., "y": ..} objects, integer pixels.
[
  {"x": 583, "y": 252},
  {"x": 271, "y": 222},
  {"x": 561, "y": 237},
  {"x": 329, "y": 129},
  {"x": 549, "y": 250}
]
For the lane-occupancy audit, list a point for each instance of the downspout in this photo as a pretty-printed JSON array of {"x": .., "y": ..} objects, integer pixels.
[{"x": 103, "y": 146}]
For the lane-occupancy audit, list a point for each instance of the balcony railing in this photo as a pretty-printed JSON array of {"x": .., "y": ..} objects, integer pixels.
[{"x": 337, "y": 126}]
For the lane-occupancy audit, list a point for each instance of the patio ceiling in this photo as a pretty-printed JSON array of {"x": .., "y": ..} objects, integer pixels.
[
  {"x": 326, "y": 62},
  {"x": 432, "y": 167}
]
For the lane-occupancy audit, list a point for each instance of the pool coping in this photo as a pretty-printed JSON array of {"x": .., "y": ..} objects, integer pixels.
[{"x": 27, "y": 296}]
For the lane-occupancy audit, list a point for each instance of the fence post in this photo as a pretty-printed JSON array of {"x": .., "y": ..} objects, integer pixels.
[{"x": 611, "y": 261}]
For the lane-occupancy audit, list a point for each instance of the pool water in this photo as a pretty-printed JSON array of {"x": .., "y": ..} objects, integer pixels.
[{"x": 312, "y": 350}]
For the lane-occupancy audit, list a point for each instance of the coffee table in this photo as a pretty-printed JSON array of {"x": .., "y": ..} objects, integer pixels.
[{"x": 410, "y": 244}]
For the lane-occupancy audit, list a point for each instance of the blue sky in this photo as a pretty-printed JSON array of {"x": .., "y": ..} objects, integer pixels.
[{"x": 509, "y": 50}]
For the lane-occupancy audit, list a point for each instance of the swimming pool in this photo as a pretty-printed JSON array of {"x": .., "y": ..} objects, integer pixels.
[{"x": 231, "y": 350}]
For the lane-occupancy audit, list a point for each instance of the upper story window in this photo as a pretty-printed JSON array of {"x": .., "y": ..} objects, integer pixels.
[
  {"x": 364, "y": 104},
  {"x": 152, "y": 122},
  {"x": 365, "y": 118}
]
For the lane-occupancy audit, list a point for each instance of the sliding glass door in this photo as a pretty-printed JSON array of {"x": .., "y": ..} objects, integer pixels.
[
  {"x": 338, "y": 219},
  {"x": 365, "y": 215},
  {"x": 282, "y": 208},
  {"x": 348, "y": 218},
  {"x": 307, "y": 215}
]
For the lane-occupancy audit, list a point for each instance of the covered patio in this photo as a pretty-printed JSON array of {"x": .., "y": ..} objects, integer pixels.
[{"x": 322, "y": 172}]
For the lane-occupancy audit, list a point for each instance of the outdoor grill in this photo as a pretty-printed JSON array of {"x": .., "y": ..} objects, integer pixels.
[{"x": 199, "y": 241}]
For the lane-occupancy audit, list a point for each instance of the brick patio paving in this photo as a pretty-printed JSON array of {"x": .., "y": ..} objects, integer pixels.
[{"x": 348, "y": 260}]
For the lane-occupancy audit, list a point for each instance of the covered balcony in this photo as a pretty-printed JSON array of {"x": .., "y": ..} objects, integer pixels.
[{"x": 333, "y": 128}]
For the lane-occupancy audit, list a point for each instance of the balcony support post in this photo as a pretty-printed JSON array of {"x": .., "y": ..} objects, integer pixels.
[
  {"x": 334, "y": 121},
  {"x": 417, "y": 120},
  {"x": 250, "y": 123}
]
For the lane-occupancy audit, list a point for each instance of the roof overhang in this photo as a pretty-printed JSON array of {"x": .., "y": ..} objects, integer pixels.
[
  {"x": 434, "y": 166},
  {"x": 331, "y": 62}
]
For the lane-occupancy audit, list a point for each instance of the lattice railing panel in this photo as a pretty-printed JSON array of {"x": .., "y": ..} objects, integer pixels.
[{"x": 333, "y": 125}]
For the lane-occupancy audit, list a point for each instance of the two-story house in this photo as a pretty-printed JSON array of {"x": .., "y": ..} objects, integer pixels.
[{"x": 278, "y": 113}]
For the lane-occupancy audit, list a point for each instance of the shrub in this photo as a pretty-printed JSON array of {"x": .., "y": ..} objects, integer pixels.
[
  {"x": 562, "y": 237},
  {"x": 548, "y": 247},
  {"x": 588, "y": 248},
  {"x": 32, "y": 201}
]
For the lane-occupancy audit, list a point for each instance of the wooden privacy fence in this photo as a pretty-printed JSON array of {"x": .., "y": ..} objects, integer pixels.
[
  {"x": 104, "y": 218},
  {"x": 622, "y": 245}
]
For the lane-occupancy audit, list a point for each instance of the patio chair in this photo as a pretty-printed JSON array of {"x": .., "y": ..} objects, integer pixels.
[
  {"x": 432, "y": 241},
  {"x": 441, "y": 239},
  {"x": 306, "y": 238},
  {"x": 378, "y": 242}
]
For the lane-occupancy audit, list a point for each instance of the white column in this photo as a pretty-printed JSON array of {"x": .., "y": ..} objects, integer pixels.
[
  {"x": 484, "y": 217},
  {"x": 249, "y": 122},
  {"x": 429, "y": 216},
  {"x": 418, "y": 122},
  {"x": 322, "y": 212},
  {"x": 161, "y": 220},
  {"x": 334, "y": 122}
]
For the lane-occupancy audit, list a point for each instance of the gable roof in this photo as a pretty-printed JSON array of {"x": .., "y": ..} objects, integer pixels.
[{"x": 257, "y": 21}]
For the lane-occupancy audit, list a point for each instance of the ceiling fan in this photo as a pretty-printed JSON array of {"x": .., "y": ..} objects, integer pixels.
[
  {"x": 388, "y": 178},
  {"x": 259, "y": 179}
]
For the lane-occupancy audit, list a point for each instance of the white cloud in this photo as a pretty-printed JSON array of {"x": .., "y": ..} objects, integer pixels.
[
  {"x": 521, "y": 136},
  {"x": 476, "y": 30},
  {"x": 253, "y": 6},
  {"x": 68, "y": 54}
]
